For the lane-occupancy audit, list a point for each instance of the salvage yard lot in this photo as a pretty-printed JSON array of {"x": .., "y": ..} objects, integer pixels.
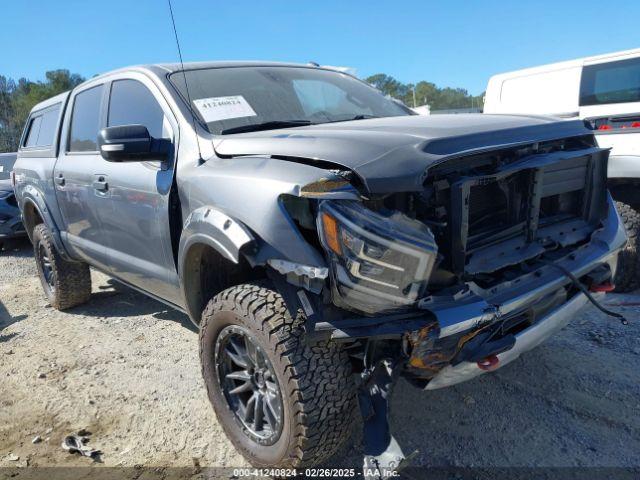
[{"x": 126, "y": 368}]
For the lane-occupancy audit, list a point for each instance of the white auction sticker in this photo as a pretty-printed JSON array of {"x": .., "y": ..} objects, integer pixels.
[
  {"x": 222, "y": 108},
  {"x": 1, "y": 168}
]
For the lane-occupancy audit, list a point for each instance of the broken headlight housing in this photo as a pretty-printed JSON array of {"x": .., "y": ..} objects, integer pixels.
[{"x": 379, "y": 262}]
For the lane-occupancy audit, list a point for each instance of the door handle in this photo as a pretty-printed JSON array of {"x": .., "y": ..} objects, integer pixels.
[
  {"x": 101, "y": 184},
  {"x": 59, "y": 179}
]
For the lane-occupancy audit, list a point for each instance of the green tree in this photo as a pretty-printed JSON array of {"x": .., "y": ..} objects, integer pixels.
[
  {"x": 18, "y": 98},
  {"x": 425, "y": 93},
  {"x": 389, "y": 85}
]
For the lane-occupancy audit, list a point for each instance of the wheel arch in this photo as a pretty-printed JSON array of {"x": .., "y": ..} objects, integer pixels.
[
  {"x": 31, "y": 217},
  {"x": 35, "y": 211},
  {"x": 214, "y": 254}
]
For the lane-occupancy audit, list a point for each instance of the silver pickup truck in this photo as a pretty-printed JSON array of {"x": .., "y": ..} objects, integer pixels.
[{"x": 322, "y": 237}]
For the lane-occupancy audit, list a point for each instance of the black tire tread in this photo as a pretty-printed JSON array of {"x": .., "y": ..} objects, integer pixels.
[
  {"x": 628, "y": 271},
  {"x": 72, "y": 279},
  {"x": 319, "y": 375}
]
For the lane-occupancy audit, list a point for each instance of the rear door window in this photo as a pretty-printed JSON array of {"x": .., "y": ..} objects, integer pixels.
[
  {"x": 612, "y": 82},
  {"x": 132, "y": 103},
  {"x": 48, "y": 126},
  {"x": 42, "y": 128},
  {"x": 34, "y": 131},
  {"x": 85, "y": 121}
]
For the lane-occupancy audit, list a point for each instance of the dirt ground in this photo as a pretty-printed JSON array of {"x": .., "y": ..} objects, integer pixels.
[{"x": 126, "y": 368}]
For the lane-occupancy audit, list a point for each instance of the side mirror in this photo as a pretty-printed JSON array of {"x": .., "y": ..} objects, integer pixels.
[{"x": 127, "y": 143}]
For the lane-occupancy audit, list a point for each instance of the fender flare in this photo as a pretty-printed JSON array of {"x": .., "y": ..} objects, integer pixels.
[
  {"x": 208, "y": 226},
  {"x": 32, "y": 196}
]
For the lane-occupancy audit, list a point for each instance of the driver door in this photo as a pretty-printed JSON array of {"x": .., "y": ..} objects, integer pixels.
[{"x": 136, "y": 220}]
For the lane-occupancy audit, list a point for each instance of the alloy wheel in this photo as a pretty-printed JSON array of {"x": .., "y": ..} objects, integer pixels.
[{"x": 249, "y": 384}]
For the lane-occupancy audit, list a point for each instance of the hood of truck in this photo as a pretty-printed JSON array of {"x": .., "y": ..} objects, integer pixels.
[{"x": 393, "y": 154}]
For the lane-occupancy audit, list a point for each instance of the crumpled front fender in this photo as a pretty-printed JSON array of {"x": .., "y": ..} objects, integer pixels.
[{"x": 212, "y": 227}]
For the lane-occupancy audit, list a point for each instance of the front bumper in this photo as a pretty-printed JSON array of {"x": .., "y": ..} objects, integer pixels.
[
  {"x": 434, "y": 339},
  {"x": 454, "y": 319},
  {"x": 525, "y": 341}
]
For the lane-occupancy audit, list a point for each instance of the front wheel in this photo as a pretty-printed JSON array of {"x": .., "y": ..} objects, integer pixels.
[
  {"x": 66, "y": 284},
  {"x": 282, "y": 402}
]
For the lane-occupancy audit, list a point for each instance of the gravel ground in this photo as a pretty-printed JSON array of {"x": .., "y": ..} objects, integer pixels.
[{"x": 126, "y": 368}]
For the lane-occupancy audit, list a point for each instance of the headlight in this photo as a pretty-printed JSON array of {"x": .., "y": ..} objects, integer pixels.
[{"x": 379, "y": 263}]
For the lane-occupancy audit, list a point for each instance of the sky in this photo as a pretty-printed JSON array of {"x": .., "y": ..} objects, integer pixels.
[{"x": 457, "y": 44}]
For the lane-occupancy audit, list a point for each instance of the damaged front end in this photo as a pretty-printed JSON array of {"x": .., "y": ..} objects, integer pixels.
[{"x": 456, "y": 277}]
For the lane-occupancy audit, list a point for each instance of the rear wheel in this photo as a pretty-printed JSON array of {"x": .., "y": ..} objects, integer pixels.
[
  {"x": 66, "y": 284},
  {"x": 626, "y": 278},
  {"x": 281, "y": 401}
]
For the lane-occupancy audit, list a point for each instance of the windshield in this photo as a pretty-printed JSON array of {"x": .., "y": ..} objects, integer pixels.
[{"x": 235, "y": 99}]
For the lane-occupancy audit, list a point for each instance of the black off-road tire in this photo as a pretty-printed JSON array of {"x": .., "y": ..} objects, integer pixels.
[
  {"x": 71, "y": 281},
  {"x": 628, "y": 271},
  {"x": 315, "y": 380}
]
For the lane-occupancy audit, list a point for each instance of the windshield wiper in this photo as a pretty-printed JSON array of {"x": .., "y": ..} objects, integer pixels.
[
  {"x": 266, "y": 126},
  {"x": 364, "y": 116}
]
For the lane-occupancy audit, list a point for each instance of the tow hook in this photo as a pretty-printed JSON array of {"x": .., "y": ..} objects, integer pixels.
[
  {"x": 490, "y": 363},
  {"x": 602, "y": 287}
]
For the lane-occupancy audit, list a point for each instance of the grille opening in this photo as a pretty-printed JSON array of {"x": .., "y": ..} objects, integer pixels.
[
  {"x": 487, "y": 207},
  {"x": 498, "y": 206},
  {"x": 557, "y": 208}
]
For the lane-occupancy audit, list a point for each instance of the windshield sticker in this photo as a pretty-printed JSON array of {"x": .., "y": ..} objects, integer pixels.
[
  {"x": 223, "y": 108},
  {"x": 1, "y": 168}
]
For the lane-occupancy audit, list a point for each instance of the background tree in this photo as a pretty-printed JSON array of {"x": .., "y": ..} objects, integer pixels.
[
  {"x": 17, "y": 100},
  {"x": 389, "y": 85},
  {"x": 426, "y": 93}
]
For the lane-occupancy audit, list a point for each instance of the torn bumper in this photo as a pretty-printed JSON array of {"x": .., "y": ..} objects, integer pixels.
[
  {"x": 538, "y": 294},
  {"x": 525, "y": 341}
]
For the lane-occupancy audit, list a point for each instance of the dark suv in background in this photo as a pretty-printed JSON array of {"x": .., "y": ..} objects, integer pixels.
[{"x": 10, "y": 219}]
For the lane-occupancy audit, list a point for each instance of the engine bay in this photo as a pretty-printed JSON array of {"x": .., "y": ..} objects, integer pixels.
[{"x": 492, "y": 213}]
